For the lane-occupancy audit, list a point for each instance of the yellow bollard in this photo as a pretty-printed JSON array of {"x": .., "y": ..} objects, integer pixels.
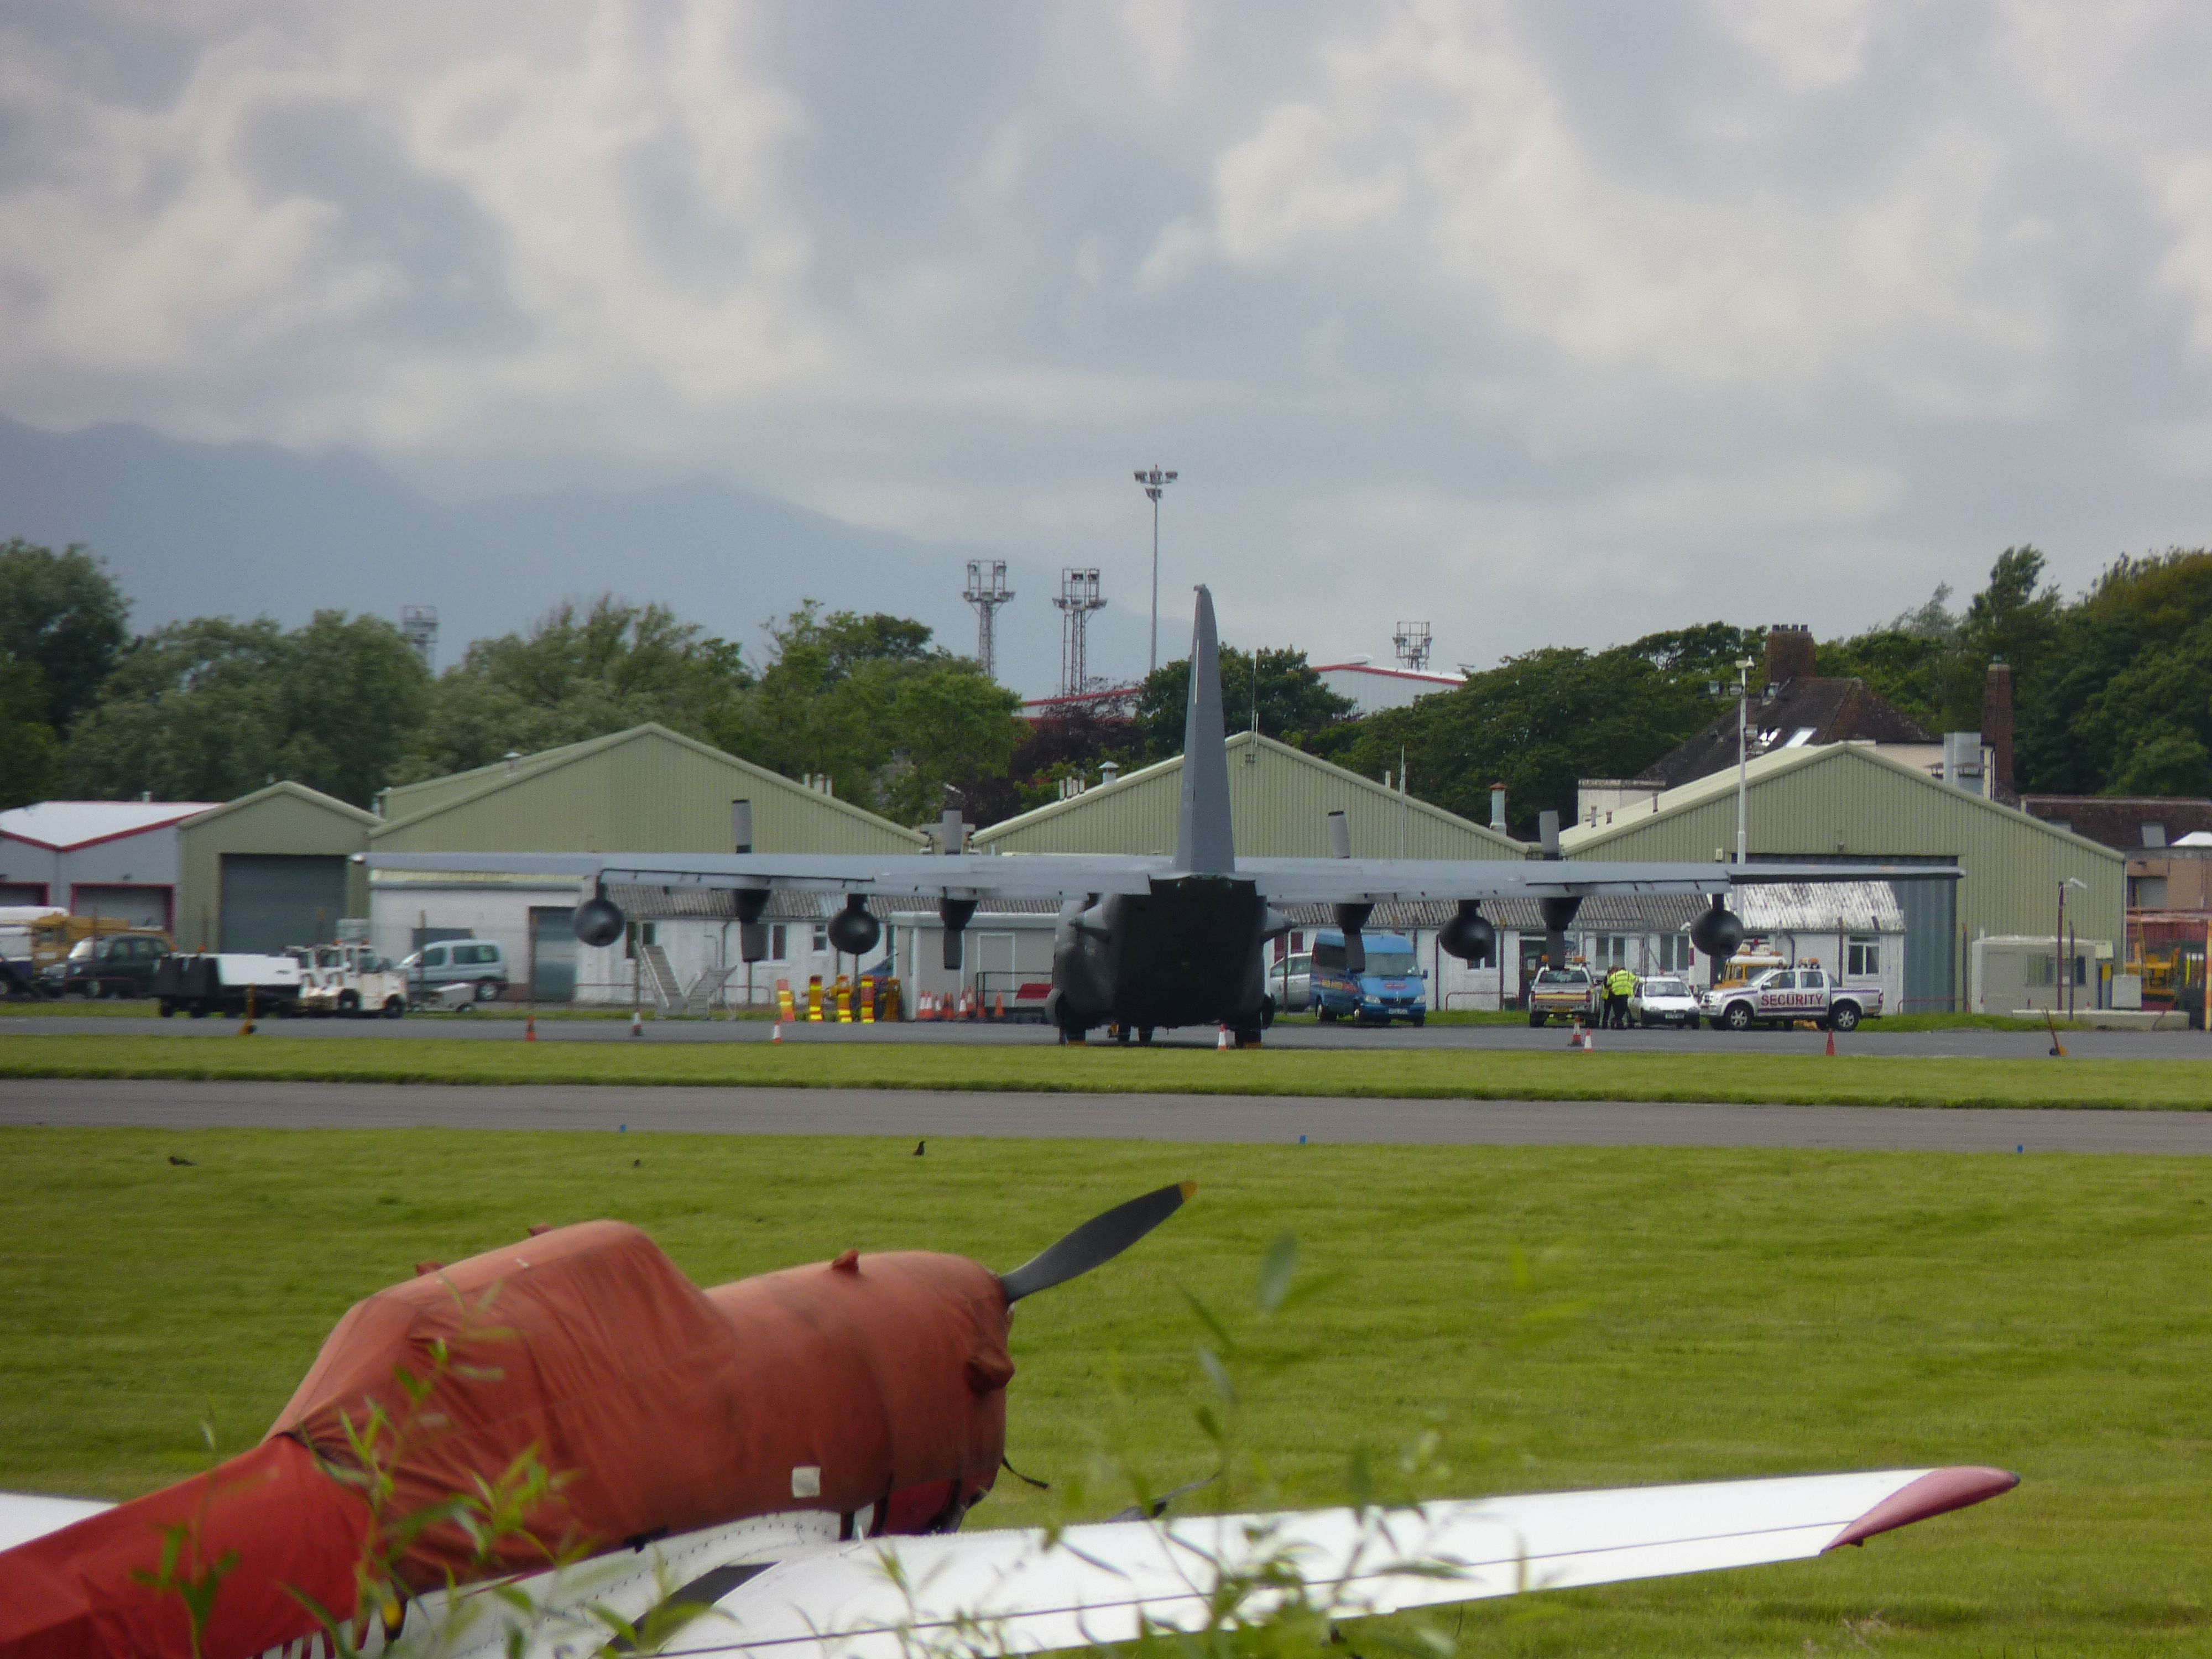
[
  {"x": 844, "y": 1001},
  {"x": 814, "y": 998},
  {"x": 868, "y": 1001},
  {"x": 784, "y": 1011}
]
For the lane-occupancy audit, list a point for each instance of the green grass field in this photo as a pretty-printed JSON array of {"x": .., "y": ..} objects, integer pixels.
[
  {"x": 1811, "y": 1079},
  {"x": 1684, "y": 1314}
]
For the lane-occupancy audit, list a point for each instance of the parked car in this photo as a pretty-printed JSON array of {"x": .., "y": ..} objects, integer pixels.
[
  {"x": 1570, "y": 993},
  {"x": 110, "y": 965},
  {"x": 476, "y": 961},
  {"x": 1391, "y": 987},
  {"x": 1664, "y": 1000},
  {"x": 1290, "y": 982}
]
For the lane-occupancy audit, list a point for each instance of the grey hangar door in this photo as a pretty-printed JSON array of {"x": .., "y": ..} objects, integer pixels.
[{"x": 270, "y": 899}]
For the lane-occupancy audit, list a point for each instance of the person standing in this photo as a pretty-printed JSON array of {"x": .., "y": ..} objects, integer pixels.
[{"x": 1620, "y": 985}]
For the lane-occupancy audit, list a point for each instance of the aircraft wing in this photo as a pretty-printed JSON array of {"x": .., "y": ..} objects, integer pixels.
[
  {"x": 1382, "y": 881},
  {"x": 1025, "y": 1592},
  {"x": 1075, "y": 875},
  {"x": 895, "y": 875}
]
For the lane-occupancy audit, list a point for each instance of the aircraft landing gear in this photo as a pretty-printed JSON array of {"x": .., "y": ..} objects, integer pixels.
[{"x": 1121, "y": 1034}]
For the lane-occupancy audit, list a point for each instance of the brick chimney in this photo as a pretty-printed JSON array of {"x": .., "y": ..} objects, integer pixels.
[
  {"x": 1789, "y": 653},
  {"x": 1996, "y": 728}
]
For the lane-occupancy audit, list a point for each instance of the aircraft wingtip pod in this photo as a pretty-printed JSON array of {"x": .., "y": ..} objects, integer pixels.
[
  {"x": 1936, "y": 1492},
  {"x": 1096, "y": 1243}
]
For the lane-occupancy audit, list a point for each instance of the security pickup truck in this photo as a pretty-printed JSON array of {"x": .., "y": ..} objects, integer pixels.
[
  {"x": 1781, "y": 996},
  {"x": 1569, "y": 993}
]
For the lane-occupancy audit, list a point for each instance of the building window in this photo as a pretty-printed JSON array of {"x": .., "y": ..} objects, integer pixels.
[
  {"x": 778, "y": 942},
  {"x": 1674, "y": 953},
  {"x": 821, "y": 936},
  {"x": 2146, "y": 892},
  {"x": 1607, "y": 951},
  {"x": 1862, "y": 958},
  {"x": 2153, "y": 834}
]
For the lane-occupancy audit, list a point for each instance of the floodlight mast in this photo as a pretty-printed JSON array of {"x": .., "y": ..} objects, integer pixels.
[
  {"x": 987, "y": 591},
  {"x": 1743, "y": 757},
  {"x": 1156, "y": 482}
]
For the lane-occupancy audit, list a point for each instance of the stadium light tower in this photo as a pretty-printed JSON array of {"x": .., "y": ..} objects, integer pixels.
[{"x": 1156, "y": 483}]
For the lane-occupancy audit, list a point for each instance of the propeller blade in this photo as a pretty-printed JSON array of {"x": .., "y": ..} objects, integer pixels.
[{"x": 1096, "y": 1243}]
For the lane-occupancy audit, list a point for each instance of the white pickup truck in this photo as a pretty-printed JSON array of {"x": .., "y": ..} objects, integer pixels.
[{"x": 1781, "y": 995}]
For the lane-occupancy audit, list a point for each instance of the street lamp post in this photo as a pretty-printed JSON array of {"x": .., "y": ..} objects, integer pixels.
[
  {"x": 2062, "y": 990},
  {"x": 1156, "y": 482},
  {"x": 1742, "y": 758}
]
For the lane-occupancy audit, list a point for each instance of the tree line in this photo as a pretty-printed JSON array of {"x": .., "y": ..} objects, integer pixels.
[{"x": 2113, "y": 694}]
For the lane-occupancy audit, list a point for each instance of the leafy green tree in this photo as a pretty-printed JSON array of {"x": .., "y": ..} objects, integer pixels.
[
  {"x": 63, "y": 613},
  {"x": 30, "y": 753},
  {"x": 869, "y": 702},
  {"x": 1294, "y": 703},
  {"x": 577, "y": 674},
  {"x": 2118, "y": 699},
  {"x": 1539, "y": 722},
  {"x": 209, "y": 709}
]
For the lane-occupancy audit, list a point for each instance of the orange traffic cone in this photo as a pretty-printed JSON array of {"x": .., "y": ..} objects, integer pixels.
[
  {"x": 1831, "y": 1043},
  {"x": 998, "y": 1010},
  {"x": 1221, "y": 1040},
  {"x": 637, "y": 1022},
  {"x": 775, "y": 1032},
  {"x": 530, "y": 1028}
]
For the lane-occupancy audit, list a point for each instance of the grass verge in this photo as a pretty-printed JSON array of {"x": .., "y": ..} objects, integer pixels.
[
  {"x": 1787, "y": 1079},
  {"x": 1562, "y": 1316}
]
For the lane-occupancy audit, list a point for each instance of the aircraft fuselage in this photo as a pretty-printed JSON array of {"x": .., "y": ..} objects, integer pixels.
[{"x": 1186, "y": 953}]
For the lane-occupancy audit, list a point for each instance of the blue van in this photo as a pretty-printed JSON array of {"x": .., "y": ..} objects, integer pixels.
[{"x": 1392, "y": 988}]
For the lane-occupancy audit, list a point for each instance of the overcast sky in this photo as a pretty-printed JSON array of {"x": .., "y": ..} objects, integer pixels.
[{"x": 1552, "y": 323}]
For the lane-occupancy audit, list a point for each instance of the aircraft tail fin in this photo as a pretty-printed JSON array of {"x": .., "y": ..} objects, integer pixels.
[{"x": 1206, "y": 842}]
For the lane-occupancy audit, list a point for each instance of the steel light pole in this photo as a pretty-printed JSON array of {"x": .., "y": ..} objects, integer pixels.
[
  {"x": 1155, "y": 482},
  {"x": 2062, "y": 990},
  {"x": 1742, "y": 758}
]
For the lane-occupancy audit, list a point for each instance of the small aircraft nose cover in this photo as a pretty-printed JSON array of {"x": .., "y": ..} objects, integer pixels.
[{"x": 666, "y": 1406}]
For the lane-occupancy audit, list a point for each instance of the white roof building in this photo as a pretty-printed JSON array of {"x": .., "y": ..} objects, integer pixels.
[
  {"x": 104, "y": 858},
  {"x": 1372, "y": 687}
]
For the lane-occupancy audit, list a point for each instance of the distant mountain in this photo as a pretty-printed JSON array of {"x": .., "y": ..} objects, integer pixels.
[{"x": 248, "y": 529}]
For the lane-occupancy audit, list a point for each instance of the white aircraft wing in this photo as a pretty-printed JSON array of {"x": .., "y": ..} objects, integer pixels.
[
  {"x": 1075, "y": 875},
  {"x": 25, "y": 1515},
  {"x": 894, "y": 875},
  {"x": 1030, "y": 1592}
]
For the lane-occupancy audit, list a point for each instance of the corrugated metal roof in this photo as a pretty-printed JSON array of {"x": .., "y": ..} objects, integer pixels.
[
  {"x": 646, "y": 789},
  {"x": 1279, "y": 800},
  {"x": 1853, "y": 802},
  {"x": 62, "y": 824}
]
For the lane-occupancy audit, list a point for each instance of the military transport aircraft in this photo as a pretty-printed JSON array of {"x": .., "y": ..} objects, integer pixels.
[
  {"x": 1146, "y": 941},
  {"x": 792, "y": 1455}
]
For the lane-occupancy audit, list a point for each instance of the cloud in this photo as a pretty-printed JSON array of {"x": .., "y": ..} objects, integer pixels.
[{"x": 1576, "y": 321}]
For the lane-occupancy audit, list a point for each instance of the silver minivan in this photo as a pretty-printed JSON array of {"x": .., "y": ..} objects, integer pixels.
[{"x": 457, "y": 962}]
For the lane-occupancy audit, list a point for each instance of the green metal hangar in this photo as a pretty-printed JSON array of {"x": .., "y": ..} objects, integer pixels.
[
  {"x": 277, "y": 867},
  {"x": 1280, "y": 801},
  {"x": 1849, "y": 803},
  {"x": 644, "y": 790}
]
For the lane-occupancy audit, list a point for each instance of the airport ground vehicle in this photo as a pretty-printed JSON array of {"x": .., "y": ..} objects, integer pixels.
[
  {"x": 1664, "y": 1000},
  {"x": 204, "y": 983},
  {"x": 109, "y": 965},
  {"x": 348, "y": 981},
  {"x": 1782, "y": 995},
  {"x": 477, "y": 962},
  {"x": 1391, "y": 987},
  {"x": 1291, "y": 981},
  {"x": 1569, "y": 993}
]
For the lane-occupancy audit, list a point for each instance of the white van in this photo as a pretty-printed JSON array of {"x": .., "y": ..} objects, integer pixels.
[{"x": 457, "y": 962}]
